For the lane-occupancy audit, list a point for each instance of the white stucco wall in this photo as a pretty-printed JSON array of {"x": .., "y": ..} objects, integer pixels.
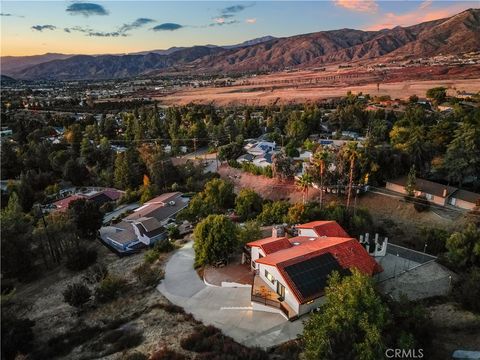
[{"x": 289, "y": 297}]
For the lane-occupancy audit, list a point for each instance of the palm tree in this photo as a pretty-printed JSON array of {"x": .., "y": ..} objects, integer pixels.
[
  {"x": 350, "y": 153},
  {"x": 303, "y": 183},
  {"x": 320, "y": 158}
]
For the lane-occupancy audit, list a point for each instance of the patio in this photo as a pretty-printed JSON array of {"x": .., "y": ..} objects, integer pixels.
[
  {"x": 262, "y": 293},
  {"x": 230, "y": 274}
]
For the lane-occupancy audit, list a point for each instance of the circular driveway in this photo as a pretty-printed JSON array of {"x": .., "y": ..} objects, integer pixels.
[{"x": 229, "y": 309}]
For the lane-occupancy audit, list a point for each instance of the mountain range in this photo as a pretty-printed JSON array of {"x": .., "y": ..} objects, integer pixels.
[{"x": 454, "y": 35}]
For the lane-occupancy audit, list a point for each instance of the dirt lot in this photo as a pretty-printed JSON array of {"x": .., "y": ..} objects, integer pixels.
[
  {"x": 139, "y": 310},
  {"x": 311, "y": 86}
]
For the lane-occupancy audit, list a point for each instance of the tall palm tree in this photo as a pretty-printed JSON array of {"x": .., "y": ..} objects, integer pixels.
[
  {"x": 303, "y": 183},
  {"x": 350, "y": 153},
  {"x": 320, "y": 158}
]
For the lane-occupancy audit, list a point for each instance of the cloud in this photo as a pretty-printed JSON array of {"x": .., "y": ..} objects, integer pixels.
[
  {"x": 229, "y": 12},
  {"x": 425, "y": 4},
  {"x": 5, "y": 14},
  {"x": 94, "y": 33},
  {"x": 135, "y": 25},
  {"x": 369, "y": 6},
  {"x": 167, "y": 27},
  {"x": 251, "y": 21},
  {"x": 421, "y": 14},
  {"x": 222, "y": 21},
  {"x": 234, "y": 9},
  {"x": 105, "y": 34},
  {"x": 43, "y": 27},
  {"x": 86, "y": 9}
]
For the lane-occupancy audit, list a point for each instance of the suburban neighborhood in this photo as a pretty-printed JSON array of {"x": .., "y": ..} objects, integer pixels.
[{"x": 240, "y": 180}]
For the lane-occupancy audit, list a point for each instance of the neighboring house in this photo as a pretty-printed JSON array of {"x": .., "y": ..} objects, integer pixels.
[
  {"x": 260, "y": 147},
  {"x": 100, "y": 196},
  {"x": 437, "y": 193},
  {"x": 464, "y": 199},
  {"x": 147, "y": 224},
  {"x": 291, "y": 273}
]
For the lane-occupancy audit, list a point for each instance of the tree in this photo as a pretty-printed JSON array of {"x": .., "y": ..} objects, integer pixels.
[
  {"x": 87, "y": 217},
  {"x": 273, "y": 212},
  {"x": 461, "y": 159},
  {"x": 215, "y": 240},
  {"x": 248, "y": 204},
  {"x": 350, "y": 153},
  {"x": 216, "y": 197},
  {"x": 250, "y": 231},
  {"x": 439, "y": 94},
  {"x": 320, "y": 159},
  {"x": 75, "y": 172},
  {"x": 349, "y": 324},
  {"x": 303, "y": 183},
  {"x": 77, "y": 294},
  {"x": 464, "y": 247},
  {"x": 411, "y": 182},
  {"x": 17, "y": 256}
]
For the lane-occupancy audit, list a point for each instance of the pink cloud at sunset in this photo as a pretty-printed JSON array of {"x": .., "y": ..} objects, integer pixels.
[{"x": 358, "y": 5}]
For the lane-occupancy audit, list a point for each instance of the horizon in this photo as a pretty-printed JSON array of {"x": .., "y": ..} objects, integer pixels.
[{"x": 124, "y": 27}]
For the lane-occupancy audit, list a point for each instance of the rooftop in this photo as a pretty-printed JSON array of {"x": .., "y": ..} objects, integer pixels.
[{"x": 325, "y": 228}]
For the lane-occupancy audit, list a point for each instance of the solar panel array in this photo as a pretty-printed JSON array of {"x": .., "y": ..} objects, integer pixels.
[{"x": 310, "y": 276}]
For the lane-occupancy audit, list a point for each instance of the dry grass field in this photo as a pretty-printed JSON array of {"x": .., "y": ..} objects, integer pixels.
[{"x": 313, "y": 85}]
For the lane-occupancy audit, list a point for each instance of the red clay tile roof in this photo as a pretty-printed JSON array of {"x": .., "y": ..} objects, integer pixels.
[
  {"x": 325, "y": 228},
  {"x": 274, "y": 246},
  {"x": 62, "y": 205},
  {"x": 347, "y": 251}
]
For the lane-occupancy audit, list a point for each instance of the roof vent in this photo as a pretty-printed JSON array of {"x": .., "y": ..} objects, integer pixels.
[
  {"x": 311, "y": 239},
  {"x": 171, "y": 203},
  {"x": 296, "y": 243}
]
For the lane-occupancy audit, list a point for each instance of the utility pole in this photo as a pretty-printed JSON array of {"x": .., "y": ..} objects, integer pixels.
[{"x": 195, "y": 145}]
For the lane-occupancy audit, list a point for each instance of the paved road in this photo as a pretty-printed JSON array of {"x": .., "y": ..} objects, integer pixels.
[{"x": 226, "y": 308}]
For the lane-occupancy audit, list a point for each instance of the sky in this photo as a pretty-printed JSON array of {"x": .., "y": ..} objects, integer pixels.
[{"x": 117, "y": 27}]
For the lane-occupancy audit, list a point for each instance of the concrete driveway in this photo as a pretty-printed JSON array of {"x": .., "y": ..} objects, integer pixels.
[{"x": 229, "y": 309}]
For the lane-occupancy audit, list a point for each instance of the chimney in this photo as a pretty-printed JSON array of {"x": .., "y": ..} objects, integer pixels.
[
  {"x": 278, "y": 231},
  {"x": 445, "y": 192}
]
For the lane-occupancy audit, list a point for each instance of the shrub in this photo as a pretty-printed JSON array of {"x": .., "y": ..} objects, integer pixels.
[
  {"x": 467, "y": 290},
  {"x": 173, "y": 232},
  {"x": 77, "y": 294},
  {"x": 148, "y": 275},
  {"x": 136, "y": 356},
  {"x": 164, "y": 246},
  {"x": 421, "y": 204},
  {"x": 151, "y": 256},
  {"x": 110, "y": 288},
  {"x": 17, "y": 335},
  {"x": 96, "y": 273},
  {"x": 166, "y": 354},
  {"x": 171, "y": 308},
  {"x": 80, "y": 258}
]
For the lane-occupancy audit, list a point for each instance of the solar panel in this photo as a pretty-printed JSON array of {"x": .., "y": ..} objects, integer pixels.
[{"x": 310, "y": 276}]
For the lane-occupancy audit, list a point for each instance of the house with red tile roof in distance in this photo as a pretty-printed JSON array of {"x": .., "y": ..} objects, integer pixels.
[
  {"x": 291, "y": 272},
  {"x": 98, "y": 195},
  {"x": 146, "y": 225}
]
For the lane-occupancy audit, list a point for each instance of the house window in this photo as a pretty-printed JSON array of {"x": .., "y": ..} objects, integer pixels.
[
  {"x": 269, "y": 277},
  {"x": 429, "y": 197}
]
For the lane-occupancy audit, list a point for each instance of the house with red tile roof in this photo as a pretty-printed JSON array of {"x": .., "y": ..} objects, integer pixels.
[{"x": 291, "y": 272}]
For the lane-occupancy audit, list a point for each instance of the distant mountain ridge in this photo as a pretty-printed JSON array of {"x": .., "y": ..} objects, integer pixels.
[{"x": 454, "y": 35}]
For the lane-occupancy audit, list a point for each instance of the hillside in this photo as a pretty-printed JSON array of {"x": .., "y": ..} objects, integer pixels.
[
  {"x": 12, "y": 64},
  {"x": 457, "y": 34}
]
